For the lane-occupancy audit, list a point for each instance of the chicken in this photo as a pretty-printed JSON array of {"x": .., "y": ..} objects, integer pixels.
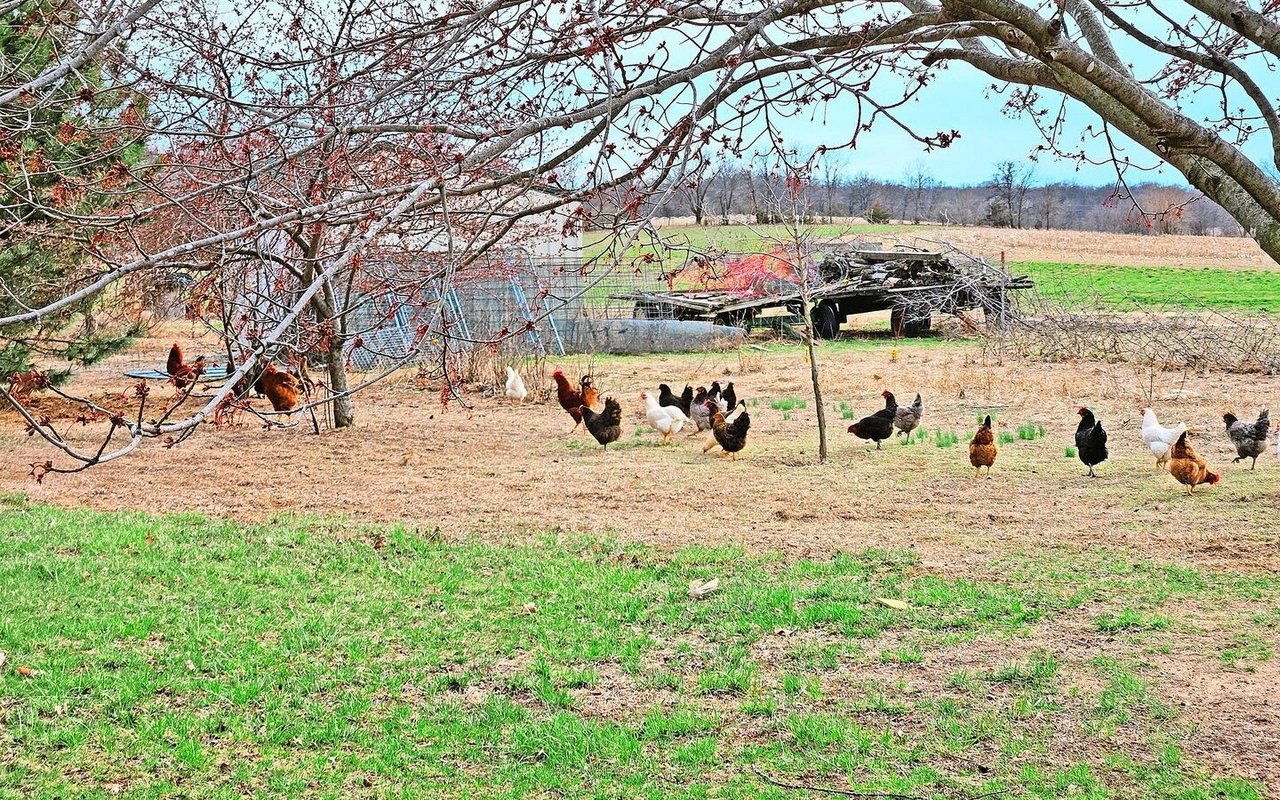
[
  {"x": 684, "y": 402},
  {"x": 570, "y": 399},
  {"x": 606, "y": 426},
  {"x": 730, "y": 436},
  {"x": 982, "y": 448},
  {"x": 730, "y": 397},
  {"x": 590, "y": 397},
  {"x": 1159, "y": 437},
  {"x": 666, "y": 420},
  {"x": 878, "y": 426},
  {"x": 1189, "y": 468},
  {"x": 699, "y": 412},
  {"x": 180, "y": 372},
  {"x": 1091, "y": 441},
  {"x": 907, "y": 419},
  {"x": 716, "y": 396},
  {"x": 1250, "y": 438},
  {"x": 515, "y": 389},
  {"x": 281, "y": 388}
]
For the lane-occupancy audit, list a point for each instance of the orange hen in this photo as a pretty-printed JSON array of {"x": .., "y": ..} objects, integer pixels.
[
  {"x": 1189, "y": 468},
  {"x": 281, "y": 388},
  {"x": 571, "y": 399}
]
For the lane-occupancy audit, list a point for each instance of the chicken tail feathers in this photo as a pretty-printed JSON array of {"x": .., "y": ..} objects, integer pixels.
[{"x": 612, "y": 412}]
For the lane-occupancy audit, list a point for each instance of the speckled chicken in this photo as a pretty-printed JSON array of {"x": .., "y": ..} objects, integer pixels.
[{"x": 1249, "y": 438}]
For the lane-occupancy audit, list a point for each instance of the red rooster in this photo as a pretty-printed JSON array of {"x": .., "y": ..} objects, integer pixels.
[
  {"x": 180, "y": 372},
  {"x": 571, "y": 399}
]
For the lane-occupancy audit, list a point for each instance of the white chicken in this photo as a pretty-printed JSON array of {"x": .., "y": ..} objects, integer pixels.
[
  {"x": 666, "y": 420},
  {"x": 1158, "y": 437},
  {"x": 515, "y": 386}
]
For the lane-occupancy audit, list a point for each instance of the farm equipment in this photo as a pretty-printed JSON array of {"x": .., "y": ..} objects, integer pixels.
[{"x": 854, "y": 279}]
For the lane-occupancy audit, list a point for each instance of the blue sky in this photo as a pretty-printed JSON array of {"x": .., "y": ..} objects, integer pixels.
[{"x": 959, "y": 99}]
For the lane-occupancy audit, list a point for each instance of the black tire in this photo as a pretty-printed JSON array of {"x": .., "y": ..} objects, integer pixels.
[
  {"x": 909, "y": 329},
  {"x": 826, "y": 324}
]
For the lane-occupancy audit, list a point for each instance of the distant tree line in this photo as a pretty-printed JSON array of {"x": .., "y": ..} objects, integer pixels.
[{"x": 1012, "y": 197}]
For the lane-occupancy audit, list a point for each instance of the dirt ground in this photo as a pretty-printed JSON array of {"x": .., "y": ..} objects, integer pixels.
[{"x": 501, "y": 469}]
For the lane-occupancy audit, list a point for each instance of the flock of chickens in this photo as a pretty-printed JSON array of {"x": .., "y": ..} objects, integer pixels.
[
  {"x": 720, "y": 411},
  {"x": 716, "y": 409}
]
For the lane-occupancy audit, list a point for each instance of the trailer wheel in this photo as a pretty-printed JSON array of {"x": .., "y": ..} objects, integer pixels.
[
  {"x": 909, "y": 329},
  {"x": 826, "y": 325}
]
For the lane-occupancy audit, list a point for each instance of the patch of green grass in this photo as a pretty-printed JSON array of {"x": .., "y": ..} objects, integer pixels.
[
  {"x": 1030, "y": 431},
  {"x": 1233, "y": 290},
  {"x": 945, "y": 439},
  {"x": 1004, "y": 437},
  {"x": 787, "y": 403},
  {"x": 1037, "y": 671},
  {"x": 1068, "y": 452},
  {"x": 1246, "y": 647},
  {"x": 1130, "y": 620},
  {"x": 178, "y": 656}
]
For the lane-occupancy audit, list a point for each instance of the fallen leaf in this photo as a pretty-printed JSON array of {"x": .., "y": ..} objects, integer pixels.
[
  {"x": 3, "y": 658},
  {"x": 891, "y": 603},
  {"x": 26, "y": 672},
  {"x": 190, "y": 666},
  {"x": 530, "y": 608},
  {"x": 700, "y": 589}
]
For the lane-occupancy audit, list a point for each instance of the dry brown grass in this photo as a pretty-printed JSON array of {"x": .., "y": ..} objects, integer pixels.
[{"x": 502, "y": 468}]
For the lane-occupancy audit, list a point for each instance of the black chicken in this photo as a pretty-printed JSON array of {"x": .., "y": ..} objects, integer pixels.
[
  {"x": 1249, "y": 438},
  {"x": 729, "y": 396},
  {"x": 878, "y": 426},
  {"x": 684, "y": 402},
  {"x": 1091, "y": 441},
  {"x": 730, "y": 436},
  {"x": 605, "y": 425}
]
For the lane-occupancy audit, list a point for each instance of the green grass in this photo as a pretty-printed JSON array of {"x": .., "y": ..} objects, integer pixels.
[
  {"x": 788, "y": 403},
  {"x": 1233, "y": 290},
  {"x": 184, "y": 657},
  {"x": 945, "y": 439},
  {"x": 1068, "y": 452},
  {"x": 1030, "y": 432},
  {"x": 1117, "y": 286}
]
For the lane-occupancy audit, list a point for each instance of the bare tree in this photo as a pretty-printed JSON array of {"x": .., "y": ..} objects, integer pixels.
[
  {"x": 1009, "y": 186},
  {"x": 832, "y": 169},
  {"x": 919, "y": 196}
]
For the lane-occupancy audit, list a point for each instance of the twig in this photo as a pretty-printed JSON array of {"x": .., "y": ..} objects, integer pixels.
[{"x": 829, "y": 790}]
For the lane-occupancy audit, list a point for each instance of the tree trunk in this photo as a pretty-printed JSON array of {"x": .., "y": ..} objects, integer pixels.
[
  {"x": 343, "y": 413},
  {"x": 817, "y": 384}
]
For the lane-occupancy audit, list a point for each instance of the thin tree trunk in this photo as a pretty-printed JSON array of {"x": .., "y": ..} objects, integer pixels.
[
  {"x": 817, "y": 384},
  {"x": 343, "y": 413}
]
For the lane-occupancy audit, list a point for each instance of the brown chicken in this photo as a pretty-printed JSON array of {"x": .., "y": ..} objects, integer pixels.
[
  {"x": 180, "y": 372},
  {"x": 982, "y": 448},
  {"x": 590, "y": 397},
  {"x": 571, "y": 399},
  {"x": 1189, "y": 468},
  {"x": 281, "y": 388}
]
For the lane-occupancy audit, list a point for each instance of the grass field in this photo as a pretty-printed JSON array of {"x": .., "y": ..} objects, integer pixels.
[
  {"x": 1179, "y": 271},
  {"x": 180, "y": 657}
]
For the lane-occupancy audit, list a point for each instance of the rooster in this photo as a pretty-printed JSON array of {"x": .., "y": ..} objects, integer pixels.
[
  {"x": 571, "y": 399},
  {"x": 730, "y": 436},
  {"x": 180, "y": 372},
  {"x": 606, "y": 427},
  {"x": 982, "y": 448},
  {"x": 878, "y": 426},
  {"x": 684, "y": 402},
  {"x": 515, "y": 389},
  {"x": 666, "y": 420},
  {"x": 1159, "y": 437},
  {"x": 717, "y": 397},
  {"x": 1250, "y": 438},
  {"x": 908, "y": 418},
  {"x": 1091, "y": 441},
  {"x": 283, "y": 389},
  {"x": 1189, "y": 468}
]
